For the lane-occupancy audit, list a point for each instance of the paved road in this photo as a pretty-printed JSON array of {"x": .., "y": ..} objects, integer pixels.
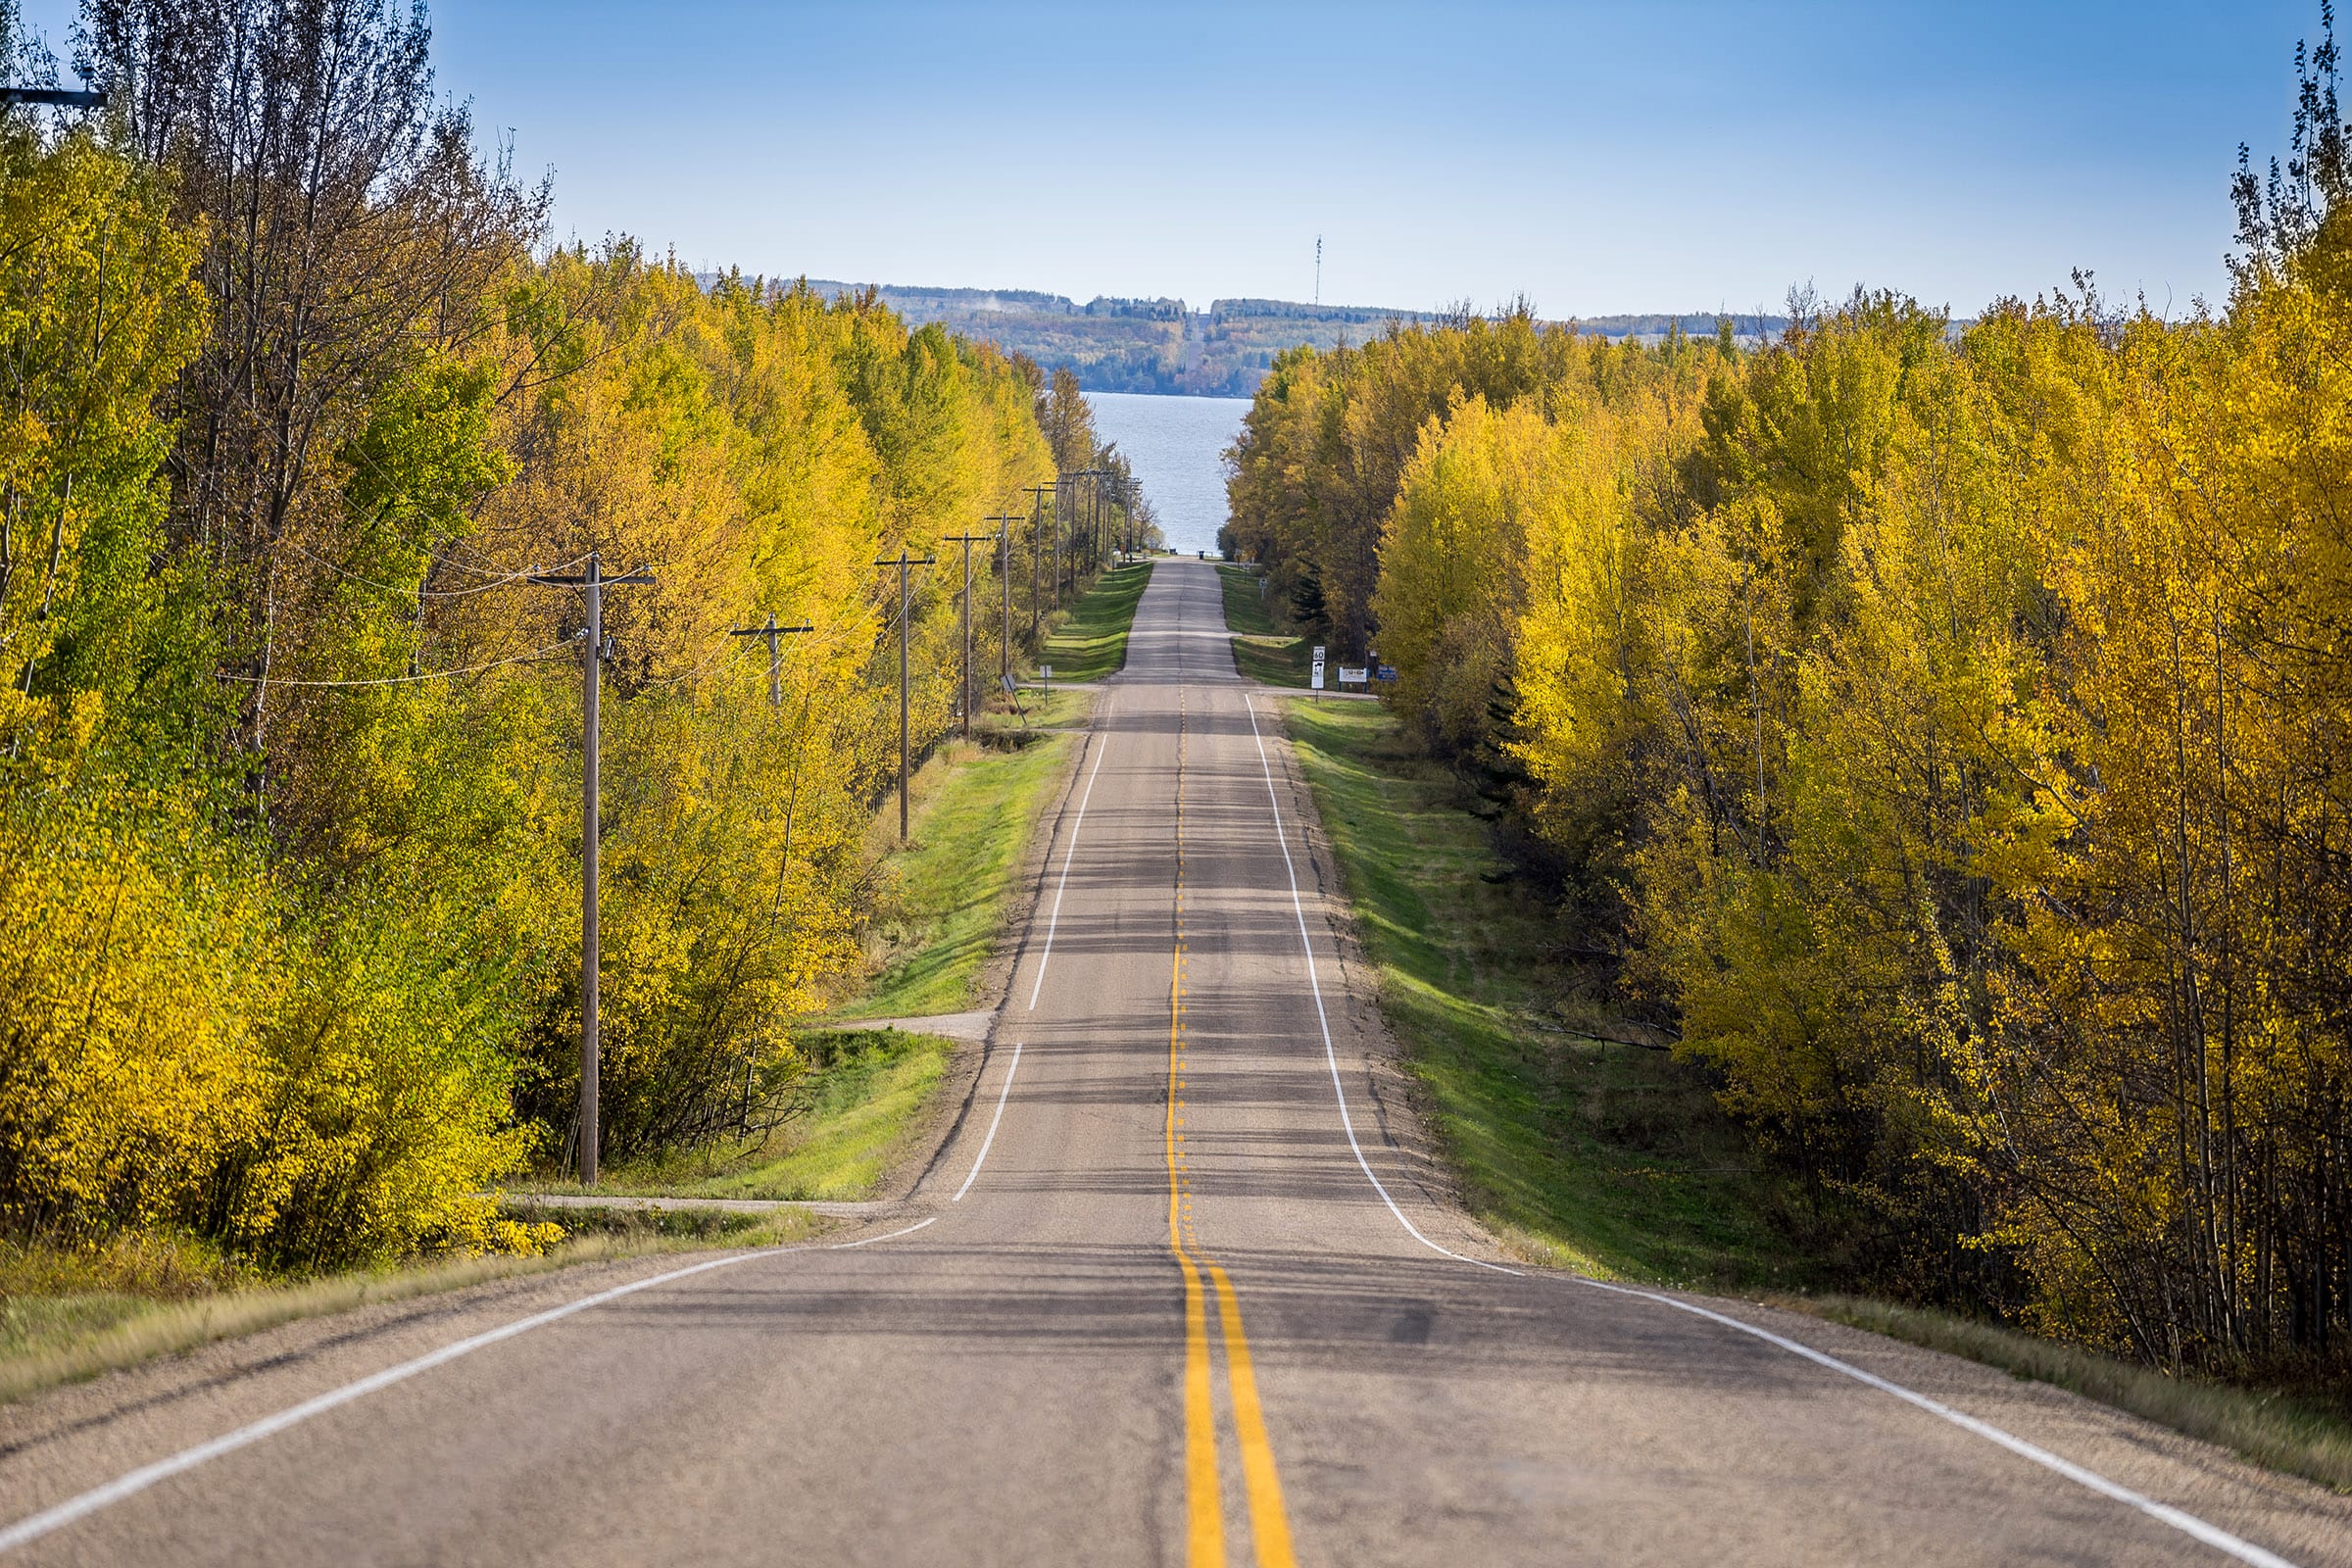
[{"x": 1170, "y": 1319}]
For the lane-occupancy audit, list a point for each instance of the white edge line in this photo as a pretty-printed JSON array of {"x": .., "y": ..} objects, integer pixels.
[
  {"x": 843, "y": 1247},
  {"x": 1069, "y": 852},
  {"x": 1331, "y": 1056},
  {"x": 1010, "y": 1068},
  {"x": 34, "y": 1526},
  {"x": 2187, "y": 1524}
]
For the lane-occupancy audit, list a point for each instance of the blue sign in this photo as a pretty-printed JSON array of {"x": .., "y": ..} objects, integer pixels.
[{"x": 1386, "y": 672}]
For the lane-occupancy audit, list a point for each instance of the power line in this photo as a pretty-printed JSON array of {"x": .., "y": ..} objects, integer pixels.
[
  {"x": 400, "y": 680},
  {"x": 527, "y": 574}
]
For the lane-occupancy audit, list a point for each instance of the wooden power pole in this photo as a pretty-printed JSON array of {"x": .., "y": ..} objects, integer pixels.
[
  {"x": 593, "y": 583},
  {"x": 1005, "y": 521},
  {"x": 967, "y": 540},
  {"x": 1037, "y": 494},
  {"x": 904, "y": 562}
]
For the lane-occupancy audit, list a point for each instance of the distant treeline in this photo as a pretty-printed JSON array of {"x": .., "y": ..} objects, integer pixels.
[{"x": 1164, "y": 346}]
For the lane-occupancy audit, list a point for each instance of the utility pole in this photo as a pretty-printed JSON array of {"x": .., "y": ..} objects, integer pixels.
[
  {"x": 1061, "y": 484},
  {"x": 1037, "y": 494},
  {"x": 967, "y": 540},
  {"x": 1092, "y": 534},
  {"x": 594, "y": 582},
  {"x": 1093, "y": 518},
  {"x": 903, "y": 562},
  {"x": 1004, "y": 582},
  {"x": 775, "y": 657}
]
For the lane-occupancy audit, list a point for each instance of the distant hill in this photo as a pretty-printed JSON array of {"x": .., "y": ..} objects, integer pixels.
[{"x": 1163, "y": 345}]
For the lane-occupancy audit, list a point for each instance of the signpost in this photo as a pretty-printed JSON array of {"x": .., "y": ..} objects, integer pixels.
[
  {"x": 1315, "y": 679},
  {"x": 1354, "y": 675}
]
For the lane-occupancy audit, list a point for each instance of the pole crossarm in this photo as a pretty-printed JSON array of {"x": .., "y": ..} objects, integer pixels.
[
  {"x": 776, "y": 656},
  {"x": 640, "y": 578}
]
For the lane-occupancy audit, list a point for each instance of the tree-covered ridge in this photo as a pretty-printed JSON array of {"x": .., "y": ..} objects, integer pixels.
[
  {"x": 1165, "y": 346},
  {"x": 289, "y": 744},
  {"x": 1944, "y": 734}
]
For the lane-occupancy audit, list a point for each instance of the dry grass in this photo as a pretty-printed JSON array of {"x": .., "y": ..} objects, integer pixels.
[
  {"x": 2266, "y": 1428},
  {"x": 71, "y": 1353}
]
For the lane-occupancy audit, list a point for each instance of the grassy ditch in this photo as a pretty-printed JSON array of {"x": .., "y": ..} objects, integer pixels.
[
  {"x": 1261, "y": 650},
  {"x": 1247, "y": 613},
  {"x": 1273, "y": 661},
  {"x": 860, "y": 1104},
  {"x": 1608, "y": 1157},
  {"x": 1091, "y": 643},
  {"x": 1051, "y": 709},
  {"x": 974, "y": 809}
]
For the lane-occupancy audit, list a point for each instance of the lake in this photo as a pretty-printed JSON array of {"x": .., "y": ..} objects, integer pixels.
[{"x": 1177, "y": 448}]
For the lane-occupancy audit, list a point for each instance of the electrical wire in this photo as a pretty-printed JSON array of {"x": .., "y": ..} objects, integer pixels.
[
  {"x": 407, "y": 680},
  {"x": 405, "y": 593}
]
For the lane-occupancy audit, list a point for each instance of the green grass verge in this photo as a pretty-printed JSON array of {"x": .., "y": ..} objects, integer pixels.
[
  {"x": 1608, "y": 1157},
  {"x": 1091, "y": 642},
  {"x": 974, "y": 809}
]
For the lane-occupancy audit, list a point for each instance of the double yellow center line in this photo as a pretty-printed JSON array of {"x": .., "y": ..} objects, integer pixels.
[{"x": 1205, "y": 1505}]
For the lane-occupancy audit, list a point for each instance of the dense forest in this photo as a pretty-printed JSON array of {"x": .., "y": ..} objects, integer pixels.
[
  {"x": 1943, "y": 733},
  {"x": 298, "y": 399}
]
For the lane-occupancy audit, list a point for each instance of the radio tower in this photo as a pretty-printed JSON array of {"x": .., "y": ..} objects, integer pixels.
[{"x": 1318, "y": 268}]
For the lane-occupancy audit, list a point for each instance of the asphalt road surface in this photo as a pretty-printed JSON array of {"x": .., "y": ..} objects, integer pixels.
[{"x": 1196, "y": 1305}]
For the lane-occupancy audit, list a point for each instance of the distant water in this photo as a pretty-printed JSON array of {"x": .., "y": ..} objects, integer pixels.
[{"x": 1177, "y": 448}]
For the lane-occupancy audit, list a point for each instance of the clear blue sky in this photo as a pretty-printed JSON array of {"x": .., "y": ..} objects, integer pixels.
[{"x": 1596, "y": 157}]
